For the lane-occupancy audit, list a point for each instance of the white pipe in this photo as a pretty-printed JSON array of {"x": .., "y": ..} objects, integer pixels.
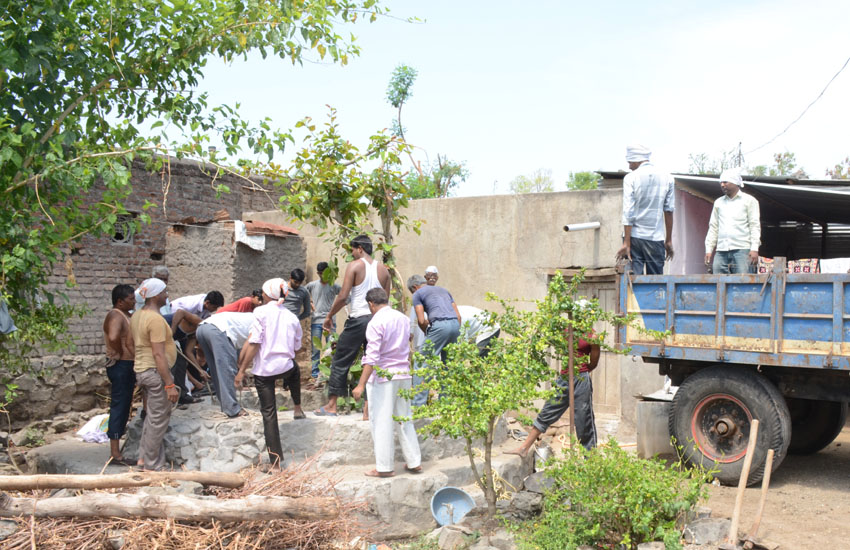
[{"x": 581, "y": 226}]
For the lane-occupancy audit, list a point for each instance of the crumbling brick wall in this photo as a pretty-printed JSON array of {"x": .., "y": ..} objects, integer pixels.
[{"x": 182, "y": 192}]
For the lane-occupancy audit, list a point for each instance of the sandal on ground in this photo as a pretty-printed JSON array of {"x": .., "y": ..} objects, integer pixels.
[
  {"x": 322, "y": 412},
  {"x": 417, "y": 470},
  {"x": 376, "y": 473}
]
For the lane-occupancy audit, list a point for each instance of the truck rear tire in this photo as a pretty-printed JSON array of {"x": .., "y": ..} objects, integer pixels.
[
  {"x": 711, "y": 416},
  {"x": 814, "y": 424}
]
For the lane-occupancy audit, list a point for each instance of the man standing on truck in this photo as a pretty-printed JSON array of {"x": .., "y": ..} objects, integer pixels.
[
  {"x": 647, "y": 214},
  {"x": 734, "y": 229}
]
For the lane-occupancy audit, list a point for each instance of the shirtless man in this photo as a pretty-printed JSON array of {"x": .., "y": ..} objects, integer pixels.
[
  {"x": 120, "y": 352},
  {"x": 361, "y": 275}
]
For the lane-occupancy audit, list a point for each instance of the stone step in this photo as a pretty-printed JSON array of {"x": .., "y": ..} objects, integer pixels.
[
  {"x": 400, "y": 506},
  {"x": 200, "y": 437}
]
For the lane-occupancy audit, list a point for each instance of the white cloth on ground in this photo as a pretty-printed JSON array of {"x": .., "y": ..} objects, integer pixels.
[{"x": 384, "y": 403}]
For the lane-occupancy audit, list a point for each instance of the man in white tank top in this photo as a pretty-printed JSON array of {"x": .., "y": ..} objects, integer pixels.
[{"x": 361, "y": 275}]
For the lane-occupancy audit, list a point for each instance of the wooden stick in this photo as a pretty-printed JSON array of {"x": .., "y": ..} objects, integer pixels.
[
  {"x": 768, "y": 468},
  {"x": 250, "y": 508},
  {"x": 114, "y": 481},
  {"x": 742, "y": 482},
  {"x": 571, "y": 362}
]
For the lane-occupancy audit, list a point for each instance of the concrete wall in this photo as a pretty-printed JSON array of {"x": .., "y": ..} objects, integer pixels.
[{"x": 510, "y": 245}]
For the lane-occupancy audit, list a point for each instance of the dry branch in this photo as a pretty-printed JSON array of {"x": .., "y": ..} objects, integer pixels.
[
  {"x": 115, "y": 481},
  {"x": 250, "y": 508}
]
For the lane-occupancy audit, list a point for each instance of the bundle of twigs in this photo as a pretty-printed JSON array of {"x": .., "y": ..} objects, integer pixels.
[{"x": 301, "y": 480}]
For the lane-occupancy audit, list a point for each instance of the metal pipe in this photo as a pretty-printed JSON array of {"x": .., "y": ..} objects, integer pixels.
[{"x": 581, "y": 226}]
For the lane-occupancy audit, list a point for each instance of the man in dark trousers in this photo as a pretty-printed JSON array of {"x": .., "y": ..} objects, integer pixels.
[
  {"x": 120, "y": 353},
  {"x": 361, "y": 275}
]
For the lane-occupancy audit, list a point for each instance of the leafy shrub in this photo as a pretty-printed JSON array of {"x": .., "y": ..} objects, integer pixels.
[{"x": 608, "y": 497}]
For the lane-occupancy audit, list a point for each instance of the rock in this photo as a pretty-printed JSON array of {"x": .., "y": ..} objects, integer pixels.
[
  {"x": 115, "y": 538},
  {"x": 64, "y": 424},
  {"x": 538, "y": 482},
  {"x": 502, "y": 540},
  {"x": 526, "y": 504},
  {"x": 451, "y": 539},
  {"x": 651, "y": 546},
  {"x": 7, "y": 528},
  {"x": 707, "y": 531}
]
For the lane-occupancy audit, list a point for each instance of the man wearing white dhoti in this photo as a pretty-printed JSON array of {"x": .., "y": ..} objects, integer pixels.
[{"x": 386, "y": 370}]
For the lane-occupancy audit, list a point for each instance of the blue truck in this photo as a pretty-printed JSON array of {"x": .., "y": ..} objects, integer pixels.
[{"x": 773, "y": 346}]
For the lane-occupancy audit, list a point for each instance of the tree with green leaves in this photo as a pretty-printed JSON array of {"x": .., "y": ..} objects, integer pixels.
[
  {"x": 434, "y": 180},
  {"x": 583, "y": 181},
  {"x": 474, "y": 391},
  {"x": 540, "y": 181},
  {"x": 336, "y": 186},
  {"x": 87, "y": 87},
  {"x": 841, "y": 170}
]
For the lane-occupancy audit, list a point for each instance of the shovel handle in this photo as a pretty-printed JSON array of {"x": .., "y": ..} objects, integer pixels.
[{"x": 742, "y": 482}]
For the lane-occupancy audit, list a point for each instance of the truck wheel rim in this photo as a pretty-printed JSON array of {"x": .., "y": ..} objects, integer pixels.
[{"x": 720, "y": 426}]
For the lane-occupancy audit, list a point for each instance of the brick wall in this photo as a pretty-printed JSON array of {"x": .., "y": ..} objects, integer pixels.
[{"x": 100, "y": 264}]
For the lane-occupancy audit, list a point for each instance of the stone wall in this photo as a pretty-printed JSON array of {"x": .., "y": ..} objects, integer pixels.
[{"x": 63, "y": 384}]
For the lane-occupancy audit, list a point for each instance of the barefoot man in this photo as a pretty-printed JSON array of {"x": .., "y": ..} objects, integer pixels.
[
  {"x": 558, "y": 405},
  {"x": 361, "y": 275},
  {"x": 120, "y": 352},
  {"x": 388, "y": 349}
]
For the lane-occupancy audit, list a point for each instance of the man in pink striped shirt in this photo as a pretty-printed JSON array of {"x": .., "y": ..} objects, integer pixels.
[
  {"x": 274, "y": 339},
  {"x": 388, "y": 349}
]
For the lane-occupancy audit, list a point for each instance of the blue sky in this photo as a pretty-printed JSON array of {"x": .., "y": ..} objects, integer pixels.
[{"x": 510, "y": 87}]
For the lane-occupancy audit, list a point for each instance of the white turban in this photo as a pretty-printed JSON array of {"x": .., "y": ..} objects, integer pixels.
[
  {"x": 637, "y": 153},
  {"x": 150, "y": 288},
  {"x": 732, "y": 175},
  {"x": 432, "y": 269},
  {"x": 274, "y": 287}
]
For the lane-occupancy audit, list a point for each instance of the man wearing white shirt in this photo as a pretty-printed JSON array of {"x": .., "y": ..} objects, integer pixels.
[
  {"x": 477, "y": 328},
  {"x": 220, "y": 337},
  {"x": 647, "y": 214},
  {"x": 734, "y": 229},
  {"x": 198, "y": 304}
]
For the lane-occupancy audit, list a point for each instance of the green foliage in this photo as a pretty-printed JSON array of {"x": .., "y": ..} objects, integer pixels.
[
  {"x": 583, "y": 181},
  {"x": 432, "y": 181},
  {"x": 540, "y": 181},
  {"x": 80, "y": 81},
  {"x": 475, "y": 391},
  {"x": 841, "y": 170},
  {"x": 609, "y": 497},
  {"x": 438, "y": 181},
  {"x": 784, "y": 164},
  {"x": 335, "y": 186}
]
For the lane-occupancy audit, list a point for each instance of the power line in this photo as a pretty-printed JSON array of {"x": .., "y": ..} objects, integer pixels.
[{"x": 820, "y": 95}]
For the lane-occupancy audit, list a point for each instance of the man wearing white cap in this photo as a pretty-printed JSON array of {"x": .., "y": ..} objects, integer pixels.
[
  {"x": 431, "y": 275},
  {"x": 270, "y": 349},
  {"x": 155, "y": 353},
  {"x": 734, "y": 229},
  {"x": 647, "y": 214}
]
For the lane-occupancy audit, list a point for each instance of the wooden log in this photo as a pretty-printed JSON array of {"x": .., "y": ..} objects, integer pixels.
[
  {"x": 250, "y": 508},
  {"x": 116, "y": 481}
]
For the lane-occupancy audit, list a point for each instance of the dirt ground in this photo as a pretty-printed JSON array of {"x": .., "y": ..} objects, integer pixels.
[{"x": 807, "y": 503}]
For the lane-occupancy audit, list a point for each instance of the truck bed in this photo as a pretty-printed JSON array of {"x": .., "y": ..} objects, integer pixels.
[{"x": 776, "y": 318}]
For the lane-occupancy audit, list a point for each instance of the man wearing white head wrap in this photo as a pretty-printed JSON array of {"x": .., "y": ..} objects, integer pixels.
[
  {"x": 270, "y": 352},
  {"x": 154, "y": 355},
  {"x": 734, "y": 229},
  {"x": 647, "y": 213}
]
